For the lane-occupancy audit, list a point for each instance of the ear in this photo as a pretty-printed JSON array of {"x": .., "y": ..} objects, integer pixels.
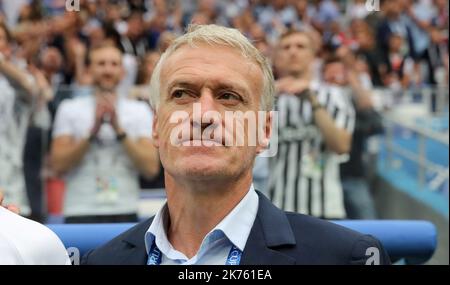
[
  {"x": 155, "y": 134},
  {"x": 266, "y": 133}
]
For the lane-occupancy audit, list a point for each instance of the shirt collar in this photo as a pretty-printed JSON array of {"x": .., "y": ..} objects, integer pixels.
[{"x": 235, "y": 226}]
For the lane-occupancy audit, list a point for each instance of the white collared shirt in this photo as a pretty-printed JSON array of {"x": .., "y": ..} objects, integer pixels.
[
  {"x": 234, "y": 229},
  {"x": 106, "y": 181}
]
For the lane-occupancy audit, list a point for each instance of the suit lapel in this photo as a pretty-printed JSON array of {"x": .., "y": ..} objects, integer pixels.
[
  {"x": 133, "y": 250},
  {"x": 271, "y": 231},
  {"x": 133, "y": 256}
]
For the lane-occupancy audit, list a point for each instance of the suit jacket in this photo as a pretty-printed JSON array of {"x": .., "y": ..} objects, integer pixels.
[
  {"x": 276, "y": 238},
  {"x": 384, "y": 32}
]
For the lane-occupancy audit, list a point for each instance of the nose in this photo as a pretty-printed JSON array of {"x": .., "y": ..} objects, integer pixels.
[
  {"x": 206, "y": 101},
  {"x": 291, "y": 53},
  {"x": 293, "y": 50},
  {"x": 208, "y": 110}
]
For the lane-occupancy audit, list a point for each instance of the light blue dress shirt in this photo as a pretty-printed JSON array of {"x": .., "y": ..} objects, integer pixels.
[{"x": 234, "y": 229}]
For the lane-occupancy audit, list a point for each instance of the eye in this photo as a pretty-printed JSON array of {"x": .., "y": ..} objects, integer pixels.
[
  {"x": 229, "y": 96},
  {"x": 182, "y": 95},
  {"x": 178, "y": 93}
]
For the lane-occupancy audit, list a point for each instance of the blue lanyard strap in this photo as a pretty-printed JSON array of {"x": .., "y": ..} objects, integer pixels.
[
  {"x": 234, "y": 257},
  {"x": 155, "y": 256}
]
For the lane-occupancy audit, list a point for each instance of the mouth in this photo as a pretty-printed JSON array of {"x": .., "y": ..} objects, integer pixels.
[
  {"x": 107, "y": 77},
  {"x": 202, "y": 142}
]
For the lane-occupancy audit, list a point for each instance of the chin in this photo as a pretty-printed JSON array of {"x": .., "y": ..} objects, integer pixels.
[
  {"x": 109, "y": 86},
  {"x": 202, "y": 168}
]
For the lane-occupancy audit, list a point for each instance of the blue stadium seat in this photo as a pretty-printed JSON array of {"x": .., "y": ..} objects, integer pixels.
[{"x": 413, "y": 241}]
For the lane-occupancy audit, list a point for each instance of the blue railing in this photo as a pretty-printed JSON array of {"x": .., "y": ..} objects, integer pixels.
[{"x": 413, "y": 241}]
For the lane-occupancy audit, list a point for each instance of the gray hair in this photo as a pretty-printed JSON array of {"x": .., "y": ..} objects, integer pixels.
[{"x": 217, "y": 36}]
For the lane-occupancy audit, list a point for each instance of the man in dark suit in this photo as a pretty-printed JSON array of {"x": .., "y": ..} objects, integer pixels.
[
  {"x": 394, "y": 22},
  {"x": 213, "y": 215}
]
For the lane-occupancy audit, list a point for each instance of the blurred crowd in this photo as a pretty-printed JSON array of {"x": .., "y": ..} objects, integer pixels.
[{"x": 45, "y": 59}]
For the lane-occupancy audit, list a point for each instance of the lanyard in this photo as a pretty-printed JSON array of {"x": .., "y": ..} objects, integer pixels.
[{"x": 155, "y": 256}]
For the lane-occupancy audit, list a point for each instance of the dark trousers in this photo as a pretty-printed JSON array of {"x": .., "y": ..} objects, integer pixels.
[
  {"x": 33, "y": 154},
  {"x": 126, "y": 218}
]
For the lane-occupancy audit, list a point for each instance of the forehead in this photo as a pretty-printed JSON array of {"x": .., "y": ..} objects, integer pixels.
[
  {"x": 333, "y": 65},
  {"x": 206, "y": 63},
  {"x": 110, "y": 53},
  {"x": 296, "y": 38}
]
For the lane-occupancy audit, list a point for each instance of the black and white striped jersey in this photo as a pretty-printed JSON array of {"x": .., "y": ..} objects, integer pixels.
[{"x": 304, "y": 175}]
